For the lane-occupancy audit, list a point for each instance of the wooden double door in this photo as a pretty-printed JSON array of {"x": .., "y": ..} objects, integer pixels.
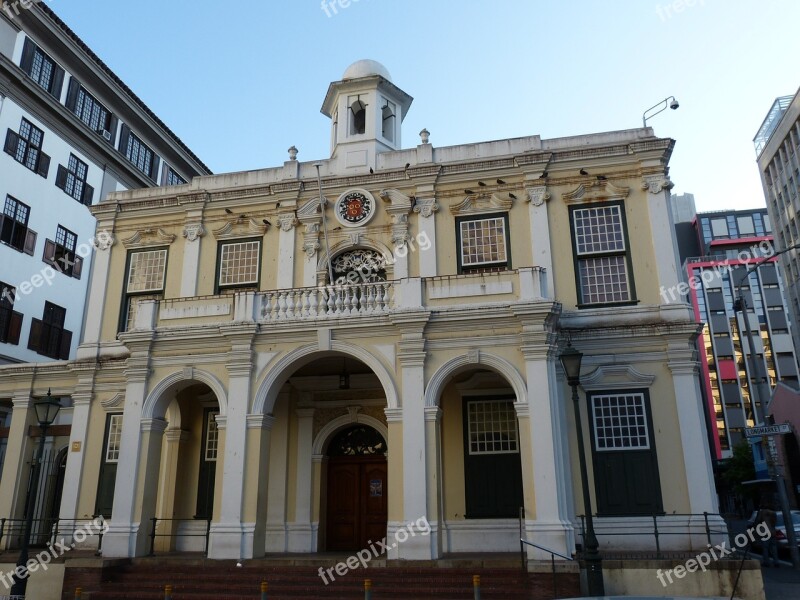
[{"x": 357, "y": 501}]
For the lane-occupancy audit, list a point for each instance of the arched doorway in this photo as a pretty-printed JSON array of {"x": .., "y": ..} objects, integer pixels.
[{"x": 356, "y": 488}]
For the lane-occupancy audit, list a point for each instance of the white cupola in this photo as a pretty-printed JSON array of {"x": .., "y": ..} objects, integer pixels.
[{"x": 366, "y": 111}]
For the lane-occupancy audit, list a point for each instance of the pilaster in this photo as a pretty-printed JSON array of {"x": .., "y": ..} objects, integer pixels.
[
  {"x": 426, "y": 207},
  {"x": 287, "y": 223},
  {"x": 537, "y": 197},
  {"x": 76, "y": 453},
  {"x": 15, "y": 474},
  {"x": 301, "y": 538},
  {"x": 193, "y": 231},
  {"x": 101, "y": 263}
]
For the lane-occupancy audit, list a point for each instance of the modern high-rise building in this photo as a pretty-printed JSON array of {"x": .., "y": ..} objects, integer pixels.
[
  {"x": 71, "y": 132},
  {"x": 729, "y": 243},
  {"x": 777, "y": 145}
]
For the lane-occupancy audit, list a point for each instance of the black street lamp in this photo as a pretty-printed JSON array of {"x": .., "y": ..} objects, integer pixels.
[
  {"x": 571, "y": 363},
  {"x": 46, "y": 411}
]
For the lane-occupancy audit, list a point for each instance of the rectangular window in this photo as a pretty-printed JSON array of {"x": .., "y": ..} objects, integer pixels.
[
  {"x": 483, "y": 243},
  {"x": 136, "y": 151},
  {"x": 719, "y": 228},
  {"x": 745, "y": 225},
  {"x": 172, "y": 178},
  {"x": 492, "y": 427},
  {"x": 620, "y": 422},
  {"x": 239, "y": 264},
  {"x": 14, "y": 229},
  {"x": 212, "y": 436},
  {"x": 60, "y": 253},
  {"x": 145, "y": 279},
  {"x": 602, "y": 256},
  {"x": 91, "y": 112},
  {"x": 10, "y": 320},
  {"x": 113, "y": 438},
  {"x": 26, "y": 148},
  {"x": 72, "y": 179},
  {"x": 48, "y": 336},
  {"x": 42, "y": 69}
]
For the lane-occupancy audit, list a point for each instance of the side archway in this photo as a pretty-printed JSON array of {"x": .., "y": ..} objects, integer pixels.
[
  {"x": 455, "y": 365},
  {"x": 155, "y": 406}
]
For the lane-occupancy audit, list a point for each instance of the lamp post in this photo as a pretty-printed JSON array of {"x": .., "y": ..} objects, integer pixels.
[
  {"x": 661, "y": 106},
  {"x": 758, "y": 401},
  {"x": 46, "y": 411},
  {"x": 571, "y": 363}
]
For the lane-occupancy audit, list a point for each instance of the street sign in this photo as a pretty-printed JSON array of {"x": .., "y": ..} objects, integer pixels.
[{"x": 768, "y": 430}]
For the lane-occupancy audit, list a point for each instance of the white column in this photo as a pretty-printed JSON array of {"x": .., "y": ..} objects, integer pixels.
[
  {"x": 14, "y": 479},
  {"x": 433, "y": 460},
  {"x": 191, "y": 257},
  {"x": 426, "y": 236},
  {"x": 257, "y": 485},
  {"x": 76, "y": 452},
  {"x": 694, "y": 441},
  {"x": 540, "y": 233},
  {"x": 662, "y": 230},
  {"x": 277, "y": 488},
  {"x": 300, "y": 534},
  {"x": 415, "y": 496},
  {"x": 95, "y": 305},
  {"x": 120, "y": 541},
  {"x": 286, "y": 243}
]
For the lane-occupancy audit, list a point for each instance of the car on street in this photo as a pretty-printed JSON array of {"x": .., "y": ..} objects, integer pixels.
[{"x": 780, "y": 528}]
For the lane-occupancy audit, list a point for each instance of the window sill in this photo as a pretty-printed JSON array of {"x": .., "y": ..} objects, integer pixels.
[{"x": 608, "y": 304}]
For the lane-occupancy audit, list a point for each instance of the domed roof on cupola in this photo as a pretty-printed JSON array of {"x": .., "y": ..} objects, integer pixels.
[{"x": 366, "y": 68}]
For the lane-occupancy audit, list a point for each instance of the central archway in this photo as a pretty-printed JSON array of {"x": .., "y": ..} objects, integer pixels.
[{"x": 356, "y": 488}]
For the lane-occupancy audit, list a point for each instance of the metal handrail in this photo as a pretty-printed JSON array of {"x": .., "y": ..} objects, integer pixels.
[
  {"x": 154, "y": 535},
  {"x": 546, "y": 549},
  {"x": 553, "y": 553}
]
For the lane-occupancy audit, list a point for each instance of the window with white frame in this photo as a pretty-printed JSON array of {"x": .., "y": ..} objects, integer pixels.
[
  {"x": 483, "y": 243},
  {"x": 492, "y": 427},
  {"x": 238, "y": 264},
  {"x": 145, "y": 279},
  {"x": 212, "y": 437},
  {"x": 620, "y": 422},
  {"x": 114, "y": 441},
  {"x": 602, "y": 257}
]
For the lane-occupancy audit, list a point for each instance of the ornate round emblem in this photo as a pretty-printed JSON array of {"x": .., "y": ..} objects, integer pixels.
[{"x": 354, "y": 208}]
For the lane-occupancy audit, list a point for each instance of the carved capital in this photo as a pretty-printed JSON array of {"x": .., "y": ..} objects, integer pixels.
[
  {"x": 656, "y": 183},
  {"x": 425, "y": 207},
  {"x": 103, "y": 240},
  {"x": 538, "y": 195},
  {"x": 193, "y": 232},
  {"x": 287, "y": 221}
]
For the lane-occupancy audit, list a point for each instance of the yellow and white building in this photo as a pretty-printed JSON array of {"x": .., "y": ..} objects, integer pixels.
[{"x": 224, "y": 381}]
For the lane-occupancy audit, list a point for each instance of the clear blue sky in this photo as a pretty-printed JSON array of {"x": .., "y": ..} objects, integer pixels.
[{"x": 240, "y": 82}]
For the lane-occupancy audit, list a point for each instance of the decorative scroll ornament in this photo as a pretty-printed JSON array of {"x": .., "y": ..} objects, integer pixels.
[
  {"x": 239, "y": 227},
  {"x": 425, "y": 207},
  {"x": 656, "y": 183},
  {"x": 480, "y": 203},
  {"x": 103, "y": 240},
  {"x": 538, "y": 195},
  {"x": 193, "y": 232},
  {"x": 595, "y": 191},
  {"x": 149, "y": 237},
  {"x": 362, "y": 260}
]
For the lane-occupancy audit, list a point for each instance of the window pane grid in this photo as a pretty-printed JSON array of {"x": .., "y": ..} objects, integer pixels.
[
  {"x": 212, "y": 437},
  {"x": 90, "y": 111},
  {"x": 76, "y": 177},
  {"x": 173, "y": 178},
  {"x": 598, "y": 229},
  {"x": 604, "y": 279},
  {"x": 620, "y": 422},
  {"x": 483, "y": 241},
  {"x": 492, "y": 427},
  {"x": 114, "y": 438},
  {"x": 42, "y": 70},
  {"x": 239, "y": 263},
  {"x": 146, "y": 271},
  {"x": 139, "y": 154}
]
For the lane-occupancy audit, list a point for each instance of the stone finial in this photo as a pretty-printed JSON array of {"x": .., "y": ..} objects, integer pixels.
[
  {"x": 293, "y": 153},
  {"x": 425, "y": 135}
]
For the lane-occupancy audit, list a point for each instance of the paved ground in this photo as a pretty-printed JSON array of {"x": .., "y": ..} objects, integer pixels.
[{"x": 782, "y": 583}]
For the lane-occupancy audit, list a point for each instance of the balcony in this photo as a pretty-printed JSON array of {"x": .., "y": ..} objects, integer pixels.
[{"x": 344, "y": 301}]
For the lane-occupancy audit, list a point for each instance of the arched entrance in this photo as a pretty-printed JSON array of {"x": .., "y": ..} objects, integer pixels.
[{"x": 356, "y": 488}]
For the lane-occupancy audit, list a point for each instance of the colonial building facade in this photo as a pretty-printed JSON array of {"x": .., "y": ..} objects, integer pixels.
[{"x": 302, "y": 369}]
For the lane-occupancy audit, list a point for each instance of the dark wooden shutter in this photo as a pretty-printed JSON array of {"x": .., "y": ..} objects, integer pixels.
[
  {"x": 35, "y": 338},
  {"x": 30, "y": 242},
  {"x": 154, "y": 167},
  {"x": 12, "y": 141},
  {"x": 61, "y": 177},
  {"x": 106, "y": 480},
  {"x": 72, "y": 93},
  {"x": 77, "y": 267},
  {"x": 14, "y": 328},
  {"x": 88, "y": 194},
  {"x": 28, "y": 50},
  {"x": 113, "y": 125},
  {"x": 44, "y": 165},
  {"x": 123, "y": 139},
  {"x": 164, "y": 173},
  {"x": 58, "y": 82},
  {"x": 66, "y": 342},
  {"x": 49, "y": 255}
]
